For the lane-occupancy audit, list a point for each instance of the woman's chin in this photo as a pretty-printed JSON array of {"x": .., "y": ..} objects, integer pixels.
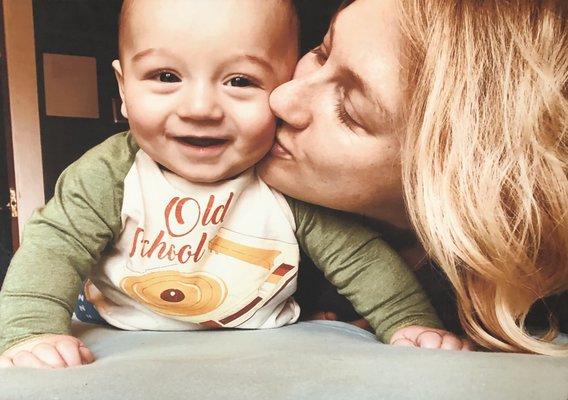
[
  {"x": 265, "y": 168},
  {"x": 274, "y": 173}
]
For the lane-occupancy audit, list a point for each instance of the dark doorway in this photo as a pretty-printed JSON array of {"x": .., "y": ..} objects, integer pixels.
[
  {"x": 5, "y": 214},
  {"x": 77, "y": 28},
  {"x": 6, "y": 249},
  {"x": 315, "y": 16}
]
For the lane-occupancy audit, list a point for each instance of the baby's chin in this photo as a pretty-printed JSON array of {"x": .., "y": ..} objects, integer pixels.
[{"x": 208, "y": 175}]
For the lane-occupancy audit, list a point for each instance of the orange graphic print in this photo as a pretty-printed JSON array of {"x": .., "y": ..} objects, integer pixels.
[
  {"x": 175, "y": 293},
  {"x": 238, "y": 275},
  {"x": 252, "y": 255}
]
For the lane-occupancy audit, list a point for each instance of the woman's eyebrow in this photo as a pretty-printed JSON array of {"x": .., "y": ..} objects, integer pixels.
[{"x": 366, "y": 89}]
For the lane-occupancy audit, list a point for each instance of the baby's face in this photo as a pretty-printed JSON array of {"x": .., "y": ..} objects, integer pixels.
[{"x": 195, "y": 77}]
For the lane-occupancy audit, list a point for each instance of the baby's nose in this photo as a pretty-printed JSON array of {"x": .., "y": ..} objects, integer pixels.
[{"x": 199, "y": 102}]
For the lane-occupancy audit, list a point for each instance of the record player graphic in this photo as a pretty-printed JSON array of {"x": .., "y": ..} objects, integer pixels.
[{"x": 239, "y": 275}]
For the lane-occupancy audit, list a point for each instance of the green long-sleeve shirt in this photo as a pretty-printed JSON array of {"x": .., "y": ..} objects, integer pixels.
[{"x": 103, "y": 219}]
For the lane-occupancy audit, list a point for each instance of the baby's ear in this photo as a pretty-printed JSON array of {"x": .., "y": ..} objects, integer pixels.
[{"x": 120, "y": 80}]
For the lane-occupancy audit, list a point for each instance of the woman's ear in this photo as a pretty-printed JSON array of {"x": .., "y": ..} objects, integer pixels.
[{"x": 120, "y": 80}]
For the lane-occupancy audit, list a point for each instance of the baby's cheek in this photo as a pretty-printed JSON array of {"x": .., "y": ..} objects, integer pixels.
[
  {"x": 145, "y": 116},
  {"x": 258, "y": 123},
  {"x": 141, "y": 124}
]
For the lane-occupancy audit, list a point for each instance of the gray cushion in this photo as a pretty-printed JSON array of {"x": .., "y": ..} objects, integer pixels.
[{"x": 309, "y": 360}]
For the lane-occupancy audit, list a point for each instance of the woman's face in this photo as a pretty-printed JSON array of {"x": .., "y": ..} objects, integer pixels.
[{"x": 339, "y": 143}]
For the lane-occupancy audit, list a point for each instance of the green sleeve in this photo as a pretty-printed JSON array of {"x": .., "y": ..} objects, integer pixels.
[
  {"x": 364, "y": 269},
  {"x": 62, "y": 241}
]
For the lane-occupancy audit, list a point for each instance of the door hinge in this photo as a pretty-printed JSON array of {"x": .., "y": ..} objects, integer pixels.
[{"x": 13, "y": 204}]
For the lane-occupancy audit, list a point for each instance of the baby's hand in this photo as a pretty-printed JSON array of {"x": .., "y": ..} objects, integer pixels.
[
  {"x": 47, "y": 351},
  {"x": 429, "y": 338}
]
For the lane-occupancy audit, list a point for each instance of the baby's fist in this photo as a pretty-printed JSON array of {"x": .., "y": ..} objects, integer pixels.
[
  {"x": 428, "y": 338},
  {"x": 47, "y": 351}
]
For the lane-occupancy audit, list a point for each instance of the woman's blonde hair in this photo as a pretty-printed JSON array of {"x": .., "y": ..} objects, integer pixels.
[{"x": 485, "y": 158}]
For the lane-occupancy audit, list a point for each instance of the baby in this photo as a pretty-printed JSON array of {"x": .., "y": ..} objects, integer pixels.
[{"x": 169, "y": 225}]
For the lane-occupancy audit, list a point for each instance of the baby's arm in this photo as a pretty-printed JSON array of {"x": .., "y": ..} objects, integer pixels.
[
  {"x": 61, "y": 243},
  {"x": 369, "y": 273}
]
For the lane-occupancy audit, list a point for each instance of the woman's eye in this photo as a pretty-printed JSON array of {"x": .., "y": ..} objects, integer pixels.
[
  {"x": 168, "y": 77},
  {"x": 321, "y": 56},
  {"x": 240, "y": 81},
  {"x": 344, "y": 116}
]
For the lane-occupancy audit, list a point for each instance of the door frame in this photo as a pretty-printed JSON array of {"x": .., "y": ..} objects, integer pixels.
[
  {"x": 7, "y": 163},
  {"x": 25, "y": 166}
]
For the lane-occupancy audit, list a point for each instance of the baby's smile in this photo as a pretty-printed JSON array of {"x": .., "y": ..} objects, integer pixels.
[
  {"x": 204, "y": 148},
  {"x": 202, "y": 141}
]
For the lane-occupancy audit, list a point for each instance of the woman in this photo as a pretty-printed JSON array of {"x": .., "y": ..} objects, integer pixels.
[{"x": 449, "y": 119}]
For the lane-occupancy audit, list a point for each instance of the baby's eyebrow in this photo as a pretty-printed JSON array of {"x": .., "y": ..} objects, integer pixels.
[
  {"x": 142, "y": 54},
  {"x": 149, "y": 51},
  {"x": 260, "y": 61}
]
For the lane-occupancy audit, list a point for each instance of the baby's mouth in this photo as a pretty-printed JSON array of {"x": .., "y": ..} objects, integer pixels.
[{"x": 201, "y": 141}]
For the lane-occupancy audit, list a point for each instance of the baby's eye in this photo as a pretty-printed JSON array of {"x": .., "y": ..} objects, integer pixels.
[
  {"x": 240, "y": 81},
  {"x": 168, "y": 77}
]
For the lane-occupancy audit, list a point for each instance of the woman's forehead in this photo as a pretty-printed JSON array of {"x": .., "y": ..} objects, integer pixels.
[
  {"x": 369, "y": 22},
  {"x": 366, "y": 42}
]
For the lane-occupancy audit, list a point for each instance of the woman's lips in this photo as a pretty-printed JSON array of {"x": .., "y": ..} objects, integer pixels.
[{"x": 280, "y": 151}]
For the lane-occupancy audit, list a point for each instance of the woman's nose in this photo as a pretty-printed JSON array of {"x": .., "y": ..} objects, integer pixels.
[
  {"x": 291, "y": 103},
  {"x": 199, "y": 102}
]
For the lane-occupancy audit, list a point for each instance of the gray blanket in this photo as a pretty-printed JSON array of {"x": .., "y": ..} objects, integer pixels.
[{"x": 309, "y": 360}]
